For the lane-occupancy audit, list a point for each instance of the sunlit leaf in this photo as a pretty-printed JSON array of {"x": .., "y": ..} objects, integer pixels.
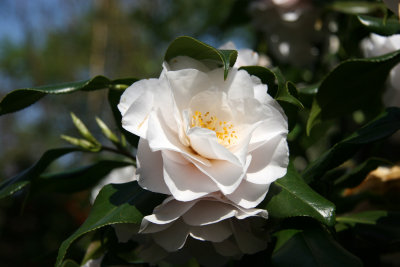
[
  {"x": 290, "y": 196},
  {"x": 188, "y": 46},
  {"x": 380, "y": 25}
]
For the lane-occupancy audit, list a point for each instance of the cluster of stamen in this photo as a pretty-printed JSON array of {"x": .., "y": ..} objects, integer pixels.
[{"x": 224, "y": 130}]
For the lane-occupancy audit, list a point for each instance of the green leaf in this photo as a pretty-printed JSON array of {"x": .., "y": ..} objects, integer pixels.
[
  {"x": 382, "y": 127},
  {"x": 354, "y": 84},
  {"x": 380, "y": 25},
  {"x": 357, "y": 7},
  {"x": 366, "y": 217},
  {"x": 310, "y": 247},
  {"x": 21, "y": 98},
  {"x": 70, "y": 263},
  {"x": 78, "y": 179},
  {"x": 277, "y": 87},
  {"x": 116, "y": 203},
  {"x": 188, "y": 46},
  {"x": 290, "y": 196},
  {"x": 358, "y": 174},
  {"x": 113, "y": 99},
  {"x": 21, "y": 180}
]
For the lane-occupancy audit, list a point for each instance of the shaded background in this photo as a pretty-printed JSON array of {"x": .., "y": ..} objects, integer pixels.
[{"x": 51, "y": 41}]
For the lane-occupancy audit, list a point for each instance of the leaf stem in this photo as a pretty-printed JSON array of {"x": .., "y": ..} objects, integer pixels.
[{"x": 119, "y": 151}]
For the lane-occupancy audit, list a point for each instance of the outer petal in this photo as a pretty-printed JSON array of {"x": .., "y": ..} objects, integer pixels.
[
  {"x": 248, "y": 195},
  {"x": 172, "y": 238},
  {"x": 247, "y": 241},
  {"x": 216, "y": 232},
  {"x": 150, "y": 169},
  {"x": 269, "y": 161}
]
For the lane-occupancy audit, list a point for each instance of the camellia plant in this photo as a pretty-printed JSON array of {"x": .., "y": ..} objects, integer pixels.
[{"x": 214, "y": 166}]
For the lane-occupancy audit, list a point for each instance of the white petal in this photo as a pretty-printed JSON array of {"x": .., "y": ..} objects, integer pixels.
[
  {"x": 150, "y": 169},
  {"x": 172, "y": 238},
  {"x": 208, "y": 212},
  {"x": 135, "y": 119},
  {"x": 205, "y": 142},
  {"x": 227, "y": 248},
  {"x": 269, "y": 161},
  {"x": 216, "y": 232},
  {"x": 246, "y": 240},
  {"x": 248, "y": 195},
  {"x": 133, "y": 92},
  {"x": 125, "y": 231},
  {"x": 185, "y": 181}
]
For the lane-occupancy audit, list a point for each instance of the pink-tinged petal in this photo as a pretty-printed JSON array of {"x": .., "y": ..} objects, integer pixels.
[
  {"x": 205, "y": 142},
  {"x": 248, "y": 195},
  {"x": 185, "y": 181},
  {"x": 150, "y": 169},
  {"x": 247, "y": 241},
  {"x": 172, "y": 238},
  {"x": 208, "y": 212},
  {"x": 216, "y": 232},
  {"x": 269, "y": 161}
]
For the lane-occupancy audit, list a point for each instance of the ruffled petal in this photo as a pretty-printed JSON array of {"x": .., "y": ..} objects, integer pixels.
[
  {"x": 248, "y": 195},
  {"x": 172, "y": 238},
  {"x": 216, "y": 232},
  {"x": 185, "y": 181},
  {"x": 150, "y": 169},
  {"x": 247, "y": 241}
]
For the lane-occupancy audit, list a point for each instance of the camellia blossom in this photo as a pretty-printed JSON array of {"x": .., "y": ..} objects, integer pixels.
[
  {"x": 377, "y": 45},
  {"x": 201, "y": 134},
  {"x": 212, "y": 218}
]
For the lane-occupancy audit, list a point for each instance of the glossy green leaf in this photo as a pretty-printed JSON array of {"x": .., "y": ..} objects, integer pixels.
[
  {"x": 277, "y": 87},
  {"x": 70, "y": 263},
  {"x": 12, "y": 185},
  {"x": 116, "y": 203},
  {"x": 290, "y": 196},
  {"x": 354, "y": 84},
  {"x": 310, "y": 247},
  {"x": 78, "y": 179},
  {"x": 21, "y": 98},
  {"x": 382, "y": 127},
  {"x": 357, "y": 7},
  {"x": 380, "y": 25},
  {"x": 188, "y": 46},
  {"x": 358, "y": 174}
]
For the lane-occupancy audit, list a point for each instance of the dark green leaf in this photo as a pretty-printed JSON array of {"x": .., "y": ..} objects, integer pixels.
[
  {"x": 69, "y": 263},
  {"x": 358, "y": 174},
  {"x": 290, "y": 196},
  {"x": 19, "y": 181},
  {"x": 188, "y": 46},
  {"x": 113, "y": 99},
  {"x": 277, "y": 87},
  {"x": 22, "y": 98},
  {"x": 357, "y": 7},
  {"x": 310, "y": 247},
  {"x": 366, "y": 217},
  {"x": 354, "y": 84},
  {"x": 380, "y": 25},
  {"x": 116, "y": 203},
  {"x": 78, "y": 179},
  {"x": 382, "y": 127}
]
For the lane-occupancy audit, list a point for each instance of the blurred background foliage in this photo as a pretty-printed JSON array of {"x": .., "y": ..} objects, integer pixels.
[{"x": 52, "y": 41}]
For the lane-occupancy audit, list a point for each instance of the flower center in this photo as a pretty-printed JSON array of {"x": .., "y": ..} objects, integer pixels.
[{"x": 225, "y": 131}]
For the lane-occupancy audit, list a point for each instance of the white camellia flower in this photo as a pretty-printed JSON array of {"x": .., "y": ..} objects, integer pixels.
[
  {"x": 201, "y": 134},
  {"x": 377, "y": 45},
  {"x": 230, "y": 228}
]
